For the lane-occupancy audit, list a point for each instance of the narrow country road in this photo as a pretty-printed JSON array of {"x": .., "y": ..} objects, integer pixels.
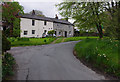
[{"x": 51, "y": 62}]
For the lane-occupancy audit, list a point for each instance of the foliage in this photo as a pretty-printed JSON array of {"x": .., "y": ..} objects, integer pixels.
[
  {"x": 7, "y": 66},
  {"x": 87, "y": 15},
  {"x": 16, "y": 27},
  {"x": 51, "y": 32},
  {"x": 10, "y": 17},
  {"x": 102, "y": 54},
  {"x": 31, "y": 41},
  {"x": 6, "y": 45},
  {"x": 92, "y": 15},
  {"x": 112, "y": 20}
]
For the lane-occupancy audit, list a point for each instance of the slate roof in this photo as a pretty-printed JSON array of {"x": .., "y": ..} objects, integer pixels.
[{"x": 45, "y": 19}]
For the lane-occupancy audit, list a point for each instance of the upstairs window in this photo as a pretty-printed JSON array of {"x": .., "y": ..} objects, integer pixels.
[
  {"x": 25, "y": 32},
  {"x": 33, "y": 22},
  {"x": 45, "y": 22},
  {"x": 33, "y": 31}
]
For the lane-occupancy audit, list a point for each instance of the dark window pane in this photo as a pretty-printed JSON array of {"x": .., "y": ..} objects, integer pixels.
[
  {"x": 33, "y": 31},
  {"x": 25, "y": 32},
  {"x": 33, "y": 22},
  {"x": 45, "y": 23}
]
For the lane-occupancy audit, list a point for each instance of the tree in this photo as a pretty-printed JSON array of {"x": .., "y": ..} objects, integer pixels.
[
  {"x": 112, "y": 25},
  {"x": 91, "y": 14},
  {"x": 10, "y": 17},
  {"x": 37, "y": 12}
]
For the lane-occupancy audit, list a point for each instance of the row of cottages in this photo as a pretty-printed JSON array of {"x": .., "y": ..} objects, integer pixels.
[{"x": 36, "y": 26}]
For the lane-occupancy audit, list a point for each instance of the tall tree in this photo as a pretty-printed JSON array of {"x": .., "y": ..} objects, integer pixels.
[
  {"x": 112, "y": 25},
  {"x": 93, "y": 14},
  {"x": 10, "y": 17},
  {"x": 86, "y": 14}
]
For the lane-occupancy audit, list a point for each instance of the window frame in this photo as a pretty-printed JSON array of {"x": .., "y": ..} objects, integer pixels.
[
  {"x": 33, "y": 22},
  {"x": 33, "y": 31},
  {"x": 25, "y": 32},
  {"x": 45, "y": 22}
]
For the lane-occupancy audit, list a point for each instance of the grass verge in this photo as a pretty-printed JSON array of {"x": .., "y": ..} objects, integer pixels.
[
  {"x": 30, "y": 41},
  {"x": 59, "y": 40},
  {"x": 101, "y": 54},
  {"x": 78, "y": 38},
  {"x": 7, "y": 66}
]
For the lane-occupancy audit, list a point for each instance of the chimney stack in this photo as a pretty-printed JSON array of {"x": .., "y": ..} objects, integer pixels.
[
  {"x": 33, "y": 12},
  {"x": 56, "y": 16}
]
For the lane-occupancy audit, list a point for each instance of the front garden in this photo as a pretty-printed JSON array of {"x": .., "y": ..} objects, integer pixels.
[{"x": 29, "y": 41}]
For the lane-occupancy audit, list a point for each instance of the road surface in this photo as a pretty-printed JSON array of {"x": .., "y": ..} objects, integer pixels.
[{"x": 51, "y": 62}]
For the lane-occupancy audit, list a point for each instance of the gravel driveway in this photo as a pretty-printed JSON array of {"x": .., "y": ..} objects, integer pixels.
[{"x": 51, "y": 62}]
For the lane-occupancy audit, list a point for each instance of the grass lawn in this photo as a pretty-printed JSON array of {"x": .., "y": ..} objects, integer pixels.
[
  {"x": 30, "y": 41},
  {"x": 78, "y": 38},
  {"x": 59, "y": 40},
  {"x": 102, "y": 54}
]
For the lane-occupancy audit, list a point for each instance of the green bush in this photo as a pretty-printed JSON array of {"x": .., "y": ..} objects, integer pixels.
[
  {"x": 103, "y": 54},
  {"x": 7, "y": 65},
  {"x": 23, "y": 39},
  {"x": 6, "y": 45}
]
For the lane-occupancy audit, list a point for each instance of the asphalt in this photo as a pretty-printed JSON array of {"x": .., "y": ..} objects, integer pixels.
[{"x": 51, "y": 62}]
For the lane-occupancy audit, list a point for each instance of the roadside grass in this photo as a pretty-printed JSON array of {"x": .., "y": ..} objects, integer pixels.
[
  {"x": 59, "y": 40},
  {"x": 7, "y": 66},
  {"x": 102, "y": 54},
  {"x": 30, "y": 41},
  {"x": 78, "y": 38}
]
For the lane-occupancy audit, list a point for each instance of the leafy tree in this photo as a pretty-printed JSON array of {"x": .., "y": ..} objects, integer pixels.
[
  {"x": 37, "y": 12},
  {"x": 6, "y": 45},
  {"x": 86, "y": 14},
  {"x": 10, "y": 17},
  {"x": 89, "y": 15},
  {"x": 112, "y": 25}
]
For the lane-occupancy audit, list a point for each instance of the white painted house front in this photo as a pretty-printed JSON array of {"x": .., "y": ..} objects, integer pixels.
[{"x": 36, "y": 26}]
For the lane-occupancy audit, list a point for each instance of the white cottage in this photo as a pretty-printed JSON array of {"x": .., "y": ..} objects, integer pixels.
[{"x": 36, "y": 26}]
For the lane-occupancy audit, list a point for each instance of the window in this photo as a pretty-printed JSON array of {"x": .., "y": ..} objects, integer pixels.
[
  {"x": 45, "y": 22},
  {"x": 69, "y": 32},
  {"x": 33, "y": 22},
  {"x": 55, "y": 33},
  {"x": 59, "y": 33},
  {"x": 33, "y": 31},
  {"x": 25, "y": 32},
  {"x": 45, "y": 31}
]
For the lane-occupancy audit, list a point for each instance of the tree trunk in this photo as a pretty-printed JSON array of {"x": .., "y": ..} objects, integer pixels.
[
  {"x": 99, "y": 28},
  {"x": 11, "y": 30}
]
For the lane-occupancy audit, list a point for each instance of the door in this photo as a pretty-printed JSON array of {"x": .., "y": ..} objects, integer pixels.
[{"x": 65, "y": 33}]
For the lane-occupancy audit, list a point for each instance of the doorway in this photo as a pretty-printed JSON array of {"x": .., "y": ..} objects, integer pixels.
[{"x": 65, "y": 33}]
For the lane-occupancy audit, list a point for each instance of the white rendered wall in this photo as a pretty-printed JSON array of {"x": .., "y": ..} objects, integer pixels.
[
  {"x": 63, "y": 27},
  {"x": 39, "y": 27}
]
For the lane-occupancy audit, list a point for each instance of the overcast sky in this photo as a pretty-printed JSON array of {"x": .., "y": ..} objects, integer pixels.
[{"x": 47, "y": 7}]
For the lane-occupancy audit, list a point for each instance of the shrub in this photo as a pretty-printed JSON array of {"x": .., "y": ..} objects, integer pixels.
[
  {"x": 7, "y": 66},
  {"x": 6, "y": 45}
]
